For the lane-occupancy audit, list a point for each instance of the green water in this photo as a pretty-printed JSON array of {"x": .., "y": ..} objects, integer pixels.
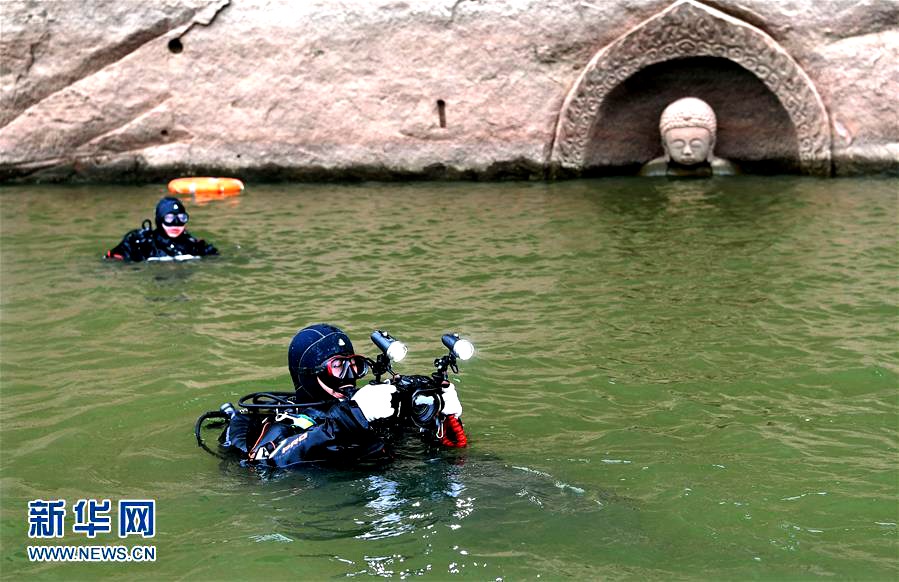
[{"x": 688, "y": 380}]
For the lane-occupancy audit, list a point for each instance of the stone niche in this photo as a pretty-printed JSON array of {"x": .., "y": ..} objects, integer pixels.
[{"x": 770, "y": 116}]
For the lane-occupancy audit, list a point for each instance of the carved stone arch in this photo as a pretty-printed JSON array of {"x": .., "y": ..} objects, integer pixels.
[{"x": 690, "y": 29}]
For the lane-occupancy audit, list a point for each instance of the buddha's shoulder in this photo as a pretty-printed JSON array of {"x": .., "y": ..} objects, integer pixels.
[
  {"x": 656, "y": 167},
  {"x": 724, "y": 167}
]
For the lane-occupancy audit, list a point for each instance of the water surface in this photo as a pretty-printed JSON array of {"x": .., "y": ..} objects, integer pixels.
[{"x": 675, "y": 380}]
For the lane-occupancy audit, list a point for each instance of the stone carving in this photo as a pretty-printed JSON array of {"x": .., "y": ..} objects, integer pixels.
[
  {"x": 688, "y": 127},
  {"x": 690, "y": 29}
]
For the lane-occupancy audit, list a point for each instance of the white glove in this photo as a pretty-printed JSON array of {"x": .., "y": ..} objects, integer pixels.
[
  {"x": 375, "y": 400},
  {"x": 451, "y": 404}
]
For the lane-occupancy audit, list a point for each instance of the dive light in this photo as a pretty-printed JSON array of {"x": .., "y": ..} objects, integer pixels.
[
  {"x": 461, "y": 348},
  {"x": 393, "y": 348}
]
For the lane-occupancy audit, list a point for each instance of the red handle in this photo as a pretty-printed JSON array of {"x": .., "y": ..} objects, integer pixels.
[{"x": 453, "y": 433}]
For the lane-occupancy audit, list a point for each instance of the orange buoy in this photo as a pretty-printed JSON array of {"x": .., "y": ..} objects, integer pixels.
[{"x": 206, "y": 186}]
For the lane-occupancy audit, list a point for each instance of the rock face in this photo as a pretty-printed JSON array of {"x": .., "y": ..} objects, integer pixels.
[{"x": 272, "y": 89}]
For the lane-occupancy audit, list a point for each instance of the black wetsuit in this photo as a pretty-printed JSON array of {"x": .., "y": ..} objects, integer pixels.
[
  {"x": 332, "y": 432},
  {"x": 145, "y": 244}
]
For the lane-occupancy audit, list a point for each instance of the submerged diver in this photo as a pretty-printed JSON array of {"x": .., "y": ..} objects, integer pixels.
[
  {"x": 169, "y": 241},
  {"x": 327, "y": 419}
]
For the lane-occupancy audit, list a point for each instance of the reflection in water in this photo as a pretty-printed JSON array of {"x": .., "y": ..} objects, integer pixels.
[
  {"x": 422, "y": 504},
  {"x": 385, "y": 519}
]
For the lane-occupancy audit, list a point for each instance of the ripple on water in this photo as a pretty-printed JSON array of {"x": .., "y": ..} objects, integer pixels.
[{"x": 662, "y": 366}]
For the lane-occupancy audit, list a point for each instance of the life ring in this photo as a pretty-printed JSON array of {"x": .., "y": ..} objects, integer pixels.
[{"x": 228, "y": 186}]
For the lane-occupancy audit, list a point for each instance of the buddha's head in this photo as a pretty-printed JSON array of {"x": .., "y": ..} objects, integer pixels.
[{"x": 688, "y": 131}]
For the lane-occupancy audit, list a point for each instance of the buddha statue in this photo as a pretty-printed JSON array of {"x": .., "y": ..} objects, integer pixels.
[{"x": 688, "y": 129}]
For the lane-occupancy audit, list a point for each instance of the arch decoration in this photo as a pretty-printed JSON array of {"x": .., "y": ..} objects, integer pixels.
[{"x": 688, "y": 28}]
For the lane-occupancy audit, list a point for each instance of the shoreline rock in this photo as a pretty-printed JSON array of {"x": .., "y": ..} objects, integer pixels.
[{"x": 391, "y": 90}]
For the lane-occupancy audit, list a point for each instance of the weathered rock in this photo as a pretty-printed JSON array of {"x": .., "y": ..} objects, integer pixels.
[{"x": 332, "y": 90}]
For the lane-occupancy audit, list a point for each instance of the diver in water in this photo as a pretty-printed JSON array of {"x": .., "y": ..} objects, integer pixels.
[
  {"x": 332, "y": 421},
  {"x": 169, "y": 241}
]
